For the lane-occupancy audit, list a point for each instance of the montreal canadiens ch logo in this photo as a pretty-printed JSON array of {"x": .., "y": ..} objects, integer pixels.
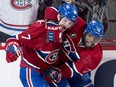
[
  {"x": 52, "y": 57},
  {"x": 68, "y": 45},
  {"x": 21, "y": 4}
]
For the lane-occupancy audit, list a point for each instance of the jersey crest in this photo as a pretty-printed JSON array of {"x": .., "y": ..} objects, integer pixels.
[
  {"x": 69, "y": 49},
  {"x": 21, "y": 4},
  {"x": 68, "y": 45},
  {"x": 52, "y": 57}
]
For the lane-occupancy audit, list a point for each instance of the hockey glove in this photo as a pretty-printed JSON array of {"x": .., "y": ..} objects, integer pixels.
[
  {"x": 52, "y": 75},
  {"x": 12, "y": 51}
]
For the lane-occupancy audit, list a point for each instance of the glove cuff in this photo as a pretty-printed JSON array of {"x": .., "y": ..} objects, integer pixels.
[{"x": 11, "y": 42}]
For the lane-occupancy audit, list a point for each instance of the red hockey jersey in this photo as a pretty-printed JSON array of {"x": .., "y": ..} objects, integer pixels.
[
  {"x": 38, "y": 51},
  {"x": 78, "y": 59}
]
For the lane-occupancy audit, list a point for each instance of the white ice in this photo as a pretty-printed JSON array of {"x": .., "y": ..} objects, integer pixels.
[{"x": 9, "y": 72}]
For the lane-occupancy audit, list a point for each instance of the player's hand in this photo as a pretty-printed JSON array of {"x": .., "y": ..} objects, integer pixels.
[
  {"x": 12, "y": 51},
  {"x": 52, "y": 75}
]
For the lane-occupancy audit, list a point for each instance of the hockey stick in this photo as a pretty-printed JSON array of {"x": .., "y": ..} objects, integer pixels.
[
  {"x": 54, "y": 84},
  {"x": 99, "y": 10},
  {"x": 103, "y": 4}
]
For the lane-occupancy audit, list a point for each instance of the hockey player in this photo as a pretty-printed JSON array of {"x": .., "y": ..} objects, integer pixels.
[
  {"x": 88, "y": 45},
  {"x": 39, "y": 46},
  {"x": 85, "y": 11},
  {"x": 84, "y": 54},
  {"x": 16, "y": 16}
]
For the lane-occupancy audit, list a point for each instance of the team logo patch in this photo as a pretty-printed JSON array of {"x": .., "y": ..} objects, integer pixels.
[
  {"x": 52, "y": 57},
  {"x": 73, "y": 35},
  {"x": 69, "y": 49},
  {"x": 68, "y": 45},
  {"x": 21, "y": 4}
]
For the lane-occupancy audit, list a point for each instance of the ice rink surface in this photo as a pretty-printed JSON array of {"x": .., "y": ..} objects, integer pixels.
[{"x": 9, "y": 72}]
